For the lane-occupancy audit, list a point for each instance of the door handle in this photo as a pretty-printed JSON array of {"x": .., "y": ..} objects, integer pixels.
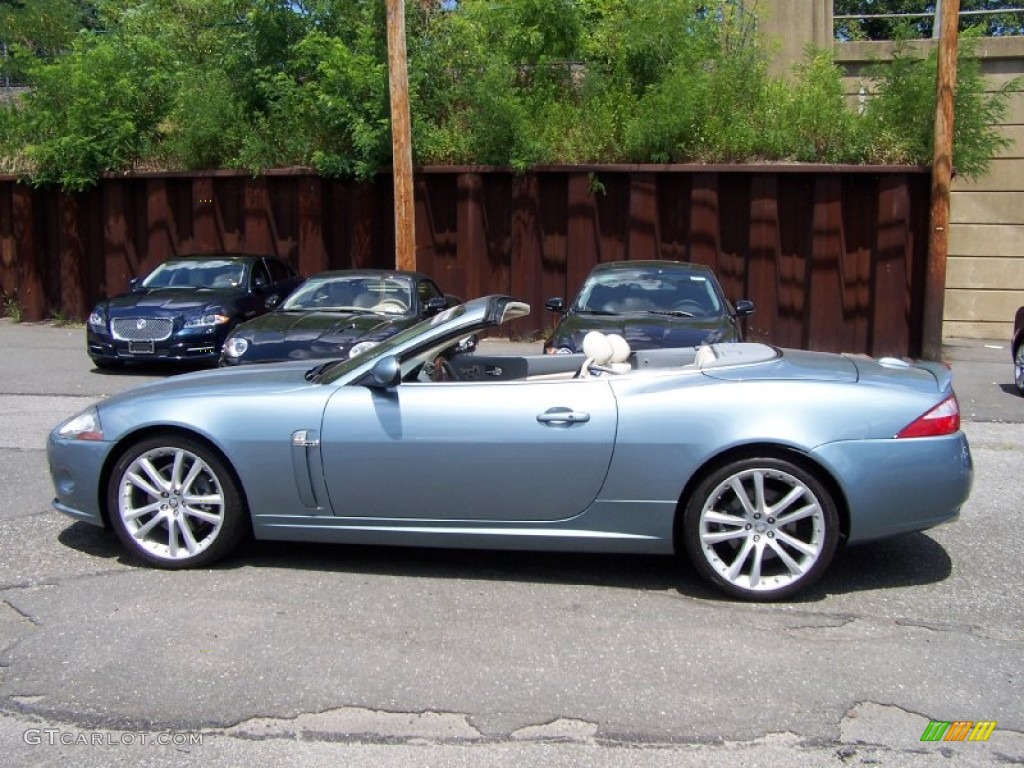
[{"x": 563, "y": 416}]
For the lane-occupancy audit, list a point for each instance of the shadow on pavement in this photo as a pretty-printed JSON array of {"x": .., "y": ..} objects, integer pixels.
[{"x": 910, "y": 560}]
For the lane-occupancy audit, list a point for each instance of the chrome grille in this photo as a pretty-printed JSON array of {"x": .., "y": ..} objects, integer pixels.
[{"x": 142, "y": 328}]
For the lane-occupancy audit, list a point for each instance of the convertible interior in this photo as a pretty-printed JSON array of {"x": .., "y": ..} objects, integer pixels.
[{"x": 604, "y": 354}]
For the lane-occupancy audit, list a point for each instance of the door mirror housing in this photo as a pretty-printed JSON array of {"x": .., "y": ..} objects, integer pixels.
[
  {"x": 744, "y": 308},
  {"x": 386, "y": 373}
]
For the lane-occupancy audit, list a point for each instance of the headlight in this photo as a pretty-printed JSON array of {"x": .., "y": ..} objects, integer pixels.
[
  {"x": 98, "y": 320},
  {"x": 207, "y": 321},
  {"x": 235, "y": 347},
  {"x": 362, "y": 346},
  {"x": 84, "y": 426}
]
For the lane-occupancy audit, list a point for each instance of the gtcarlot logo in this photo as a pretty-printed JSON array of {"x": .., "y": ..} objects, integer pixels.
[
  {"x": 56, "y": 736},
  {"x": 958, "y": 730}
]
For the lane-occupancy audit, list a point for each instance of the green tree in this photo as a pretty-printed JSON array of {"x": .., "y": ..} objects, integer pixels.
[{"x": 873, "y": 23}]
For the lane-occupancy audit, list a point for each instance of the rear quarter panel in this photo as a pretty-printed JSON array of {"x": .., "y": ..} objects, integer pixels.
[{"x": 671, "y": 426}]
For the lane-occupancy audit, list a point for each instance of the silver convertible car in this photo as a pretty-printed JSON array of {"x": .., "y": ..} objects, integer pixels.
[{"x": 754, "y": 461}]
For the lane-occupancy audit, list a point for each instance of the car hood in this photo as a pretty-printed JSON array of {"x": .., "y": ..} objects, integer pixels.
[
  {"x": 307, "y": 326},
  {"x": 647, "y": 331},
  {"x": 169, "y": 300},
  {"x": 229, "y": 382},
  {"x": 314, "y": 334}
]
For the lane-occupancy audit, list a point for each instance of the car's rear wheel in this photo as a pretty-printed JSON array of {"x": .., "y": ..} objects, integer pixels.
[
  {"x": 1018, "y": 368},
  {"x": 761, "y": 528},
  {"x": 174, "y": 503}
]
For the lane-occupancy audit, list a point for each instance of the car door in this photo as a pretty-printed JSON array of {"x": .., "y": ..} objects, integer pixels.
[
  {"x": 283, "y": 279},
  {"x": 525, "y": 451}
]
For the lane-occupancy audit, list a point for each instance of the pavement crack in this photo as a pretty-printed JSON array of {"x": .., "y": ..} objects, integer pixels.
[
  {"x": 376, "y": 725},
  {"x": 23, "y": 614}
]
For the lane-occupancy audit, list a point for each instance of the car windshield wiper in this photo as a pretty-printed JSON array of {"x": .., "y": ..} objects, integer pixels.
[
  {"x": 670, "y": 312},
  {"x": 596, "y": 312},
  {"x": 346, "y": 310},
  {"x": 313, "y": 374}
]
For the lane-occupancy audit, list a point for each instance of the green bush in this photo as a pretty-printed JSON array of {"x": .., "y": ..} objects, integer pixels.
[{"x": 256, "y": 84}]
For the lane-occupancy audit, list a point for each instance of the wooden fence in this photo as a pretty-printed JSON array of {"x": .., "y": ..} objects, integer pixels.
[{"x": 833, "y": 257}]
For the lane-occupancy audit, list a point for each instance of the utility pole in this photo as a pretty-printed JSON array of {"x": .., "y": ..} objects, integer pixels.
[
  {"x": 401, "y": 138},
  {"x": 942, "y": 176}
]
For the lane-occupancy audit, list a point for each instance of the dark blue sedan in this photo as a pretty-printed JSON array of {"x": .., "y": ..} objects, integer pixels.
[
  {"x": 337, "y": 314},
  {"x": 652, "y": 304},
  {"x": 185, "y": 308}
]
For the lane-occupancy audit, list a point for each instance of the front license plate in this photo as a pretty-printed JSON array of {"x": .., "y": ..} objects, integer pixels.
[{"x": 140, "y": 347}]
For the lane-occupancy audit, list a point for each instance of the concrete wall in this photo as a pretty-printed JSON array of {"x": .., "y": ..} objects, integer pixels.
[{"x": 985, "y": 271}]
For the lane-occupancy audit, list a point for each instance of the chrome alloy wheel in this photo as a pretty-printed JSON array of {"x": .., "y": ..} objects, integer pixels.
[
  {"x": 171, "y": 503},
  {"x": 764, "y": 530}
]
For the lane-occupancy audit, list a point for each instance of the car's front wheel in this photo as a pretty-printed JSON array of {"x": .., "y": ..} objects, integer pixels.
[
  {"x": 174, "y": 503},
  {"x": 761, "y": 528}
]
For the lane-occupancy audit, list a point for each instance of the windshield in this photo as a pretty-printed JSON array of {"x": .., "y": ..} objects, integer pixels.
[
  {"x": 209, "y": 273},
  {"x": 672, "y": 291},
  {"x": 386, "y": 295},
  {"x": 339, "y": 368},
  {"x": 206, "y": 273}
]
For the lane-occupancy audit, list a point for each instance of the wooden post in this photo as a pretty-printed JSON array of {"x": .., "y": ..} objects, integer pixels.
[
  {"x": 942, "y": 176},
  {"x": 401, "y": 138}
]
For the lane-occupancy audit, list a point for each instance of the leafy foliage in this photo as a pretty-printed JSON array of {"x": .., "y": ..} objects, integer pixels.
[
  {"x": 880, "y": 19},
  {"x": 186, "y": 84}
]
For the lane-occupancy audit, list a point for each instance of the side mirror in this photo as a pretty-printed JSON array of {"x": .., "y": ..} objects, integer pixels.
[
  {"x": 744, "y": 308},
  {"x": 272, "y": 301},
  {"x": 556, "y": 305},
  {"x": 467, "y": 344},
  {"x": 436, "y": 304},
  {"x": 135, "y": 284},
  {"x": 386, "y": 373}
]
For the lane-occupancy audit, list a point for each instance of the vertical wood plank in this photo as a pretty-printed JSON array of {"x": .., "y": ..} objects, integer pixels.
[
  {"x": 765, "y": 253},
  {"x": 28, "y": 280},
  {"x": 643, "y": 217},
  {"x": 161, "y": 230},
  {"x": 206, "y": 234},
  {"x": 257, "y": 234},
  {"x": 71, "y": 255},
  {"x": 825, "y": 329},
  {"x": 312, "y": 256},
  {"x": 889, "y": 286},
  {"x": 471, "y": 247},
  {"x": 583, "y": 248},
  {"x": 704, "y": 221},
  {"x": 525, "y": 281}
]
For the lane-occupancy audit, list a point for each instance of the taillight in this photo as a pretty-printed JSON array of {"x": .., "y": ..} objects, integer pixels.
[{"x": 943, "y": 419}]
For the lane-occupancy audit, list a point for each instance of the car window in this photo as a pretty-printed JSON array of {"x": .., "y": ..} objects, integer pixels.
[
  {"x": 656, "y": 290},
  {"x": 279, "y": 271},
  {"x": 260, "y": 274},
  {"x": 427, "y": 291},
  {"x": 207, "y": 273}
]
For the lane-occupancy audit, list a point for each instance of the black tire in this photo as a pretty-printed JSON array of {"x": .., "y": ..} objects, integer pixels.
[
  {"x": 106, "y": 365},
  {"x": 750, "y": 546},
  {"x": 169, "y": 523},
  {"x": 1018, "y": 368}
]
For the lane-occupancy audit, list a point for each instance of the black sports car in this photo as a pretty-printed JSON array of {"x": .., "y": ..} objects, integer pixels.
[
  {"x": 337, "y": 314},
  {"x": 185, "y": 308},
  {"x": 653, "y": 304}
]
